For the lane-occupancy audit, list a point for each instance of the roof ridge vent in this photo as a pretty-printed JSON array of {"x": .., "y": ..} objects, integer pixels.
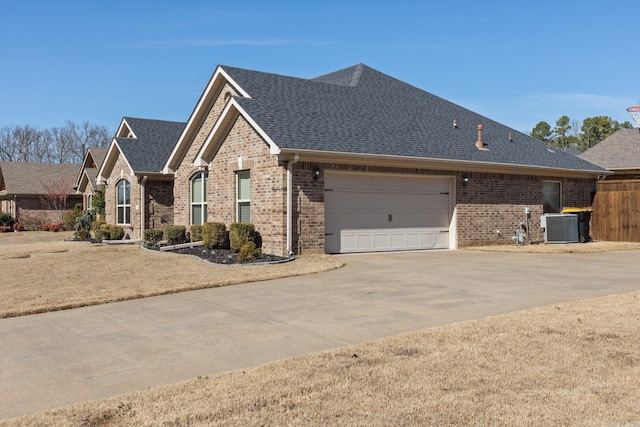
[
  {"x": 479, "y": 144},
  {"x": 355, "y": 79}
]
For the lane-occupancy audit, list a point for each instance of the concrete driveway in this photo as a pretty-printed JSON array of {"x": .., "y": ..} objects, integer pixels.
[{"x": 54, "y": 359}]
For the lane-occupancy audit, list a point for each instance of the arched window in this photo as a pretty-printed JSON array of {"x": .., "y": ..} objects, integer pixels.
[
  {"x": 90, "y": 202},
  {"x": 123, "y": 203},
  {"x": 199, "y": 198}
]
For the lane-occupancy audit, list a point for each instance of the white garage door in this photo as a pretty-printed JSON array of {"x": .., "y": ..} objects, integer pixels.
[{"x": 367, "y": 213}]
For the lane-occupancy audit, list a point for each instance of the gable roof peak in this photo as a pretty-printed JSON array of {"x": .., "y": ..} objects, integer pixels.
[{"x": 349, "y": 76}]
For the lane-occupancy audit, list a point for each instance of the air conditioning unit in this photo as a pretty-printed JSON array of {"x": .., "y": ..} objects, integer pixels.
[{"x": 560, "y": 228}]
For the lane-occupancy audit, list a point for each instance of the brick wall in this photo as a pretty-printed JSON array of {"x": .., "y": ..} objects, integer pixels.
[
  {"x": 496, "y": 202},
  {"x": 244, "y": 150},
  {"x": 159, "y": 204},
  {"x": 487, "y": 204},
  {"x": 308, "y": 209},
  {"x": 119, "y": 172},
  {"x": 32, "y": 211}
]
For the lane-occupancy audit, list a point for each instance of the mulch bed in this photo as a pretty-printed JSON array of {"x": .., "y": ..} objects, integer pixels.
[{"x": 225, "y": 256}]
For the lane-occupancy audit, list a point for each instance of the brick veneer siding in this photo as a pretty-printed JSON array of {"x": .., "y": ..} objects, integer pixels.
[
  {"x": 308, "y": 209},
  {"x": 268, "y": 185},
  {"x": 487, "y": 204},
  {"x": 159, "y": 204},
  {"x": 31, "y": 211},
  {"x": 497, "y": 202},
  {"x": 119, "y": 172},
  {"x": 186, "y": 170}
]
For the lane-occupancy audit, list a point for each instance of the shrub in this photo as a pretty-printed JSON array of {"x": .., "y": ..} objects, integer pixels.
[
  {"x": 116, "y": 232},
  {"x": 215, "y": 235},
  {"x": 6, "y": 220},
  {"x": 97, "y": 203},
  {"x": 152, "y": 236},
  {"x": 196, "y": 233},
  {"x": 101, "y": 232},
  {"x": 82, "y": 226},
  {"x": 248, "y": 251},
  {"x": 70, "y": 218},
  {"x": 56, "y": 227},
  {"x": 176, "y": 234},
  {"x": 240, "y": 233}
]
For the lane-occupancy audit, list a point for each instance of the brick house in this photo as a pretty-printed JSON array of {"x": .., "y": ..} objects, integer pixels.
[
  {"x": 86, "y": 184},
  {"x": 356, "y": 161},
  {"x": 37, "y": 193},
  {"x": 138, "y": 195}
]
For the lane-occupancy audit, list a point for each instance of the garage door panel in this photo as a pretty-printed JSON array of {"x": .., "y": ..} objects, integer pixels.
[
  {"x": 364, "y": 219},
  {"x": 382, "y": 213},
  {"x": 383, "y": 240}
]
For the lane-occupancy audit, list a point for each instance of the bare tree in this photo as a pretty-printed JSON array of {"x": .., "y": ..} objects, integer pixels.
[
  {"x": 67, "y": 144},
  {"x": 84, "y": 136},
  {"x": 55, "y": 198},
  {"x": 576, "y": 124},
  {"x": 29, "y": 144},
  {"x": 6, "y": 146},
  {"x": 62, "y": 145}
]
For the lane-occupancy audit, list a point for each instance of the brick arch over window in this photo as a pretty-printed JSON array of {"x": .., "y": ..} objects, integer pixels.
[
  {"x": 123, "y": 202},
  {"x": 198, "y": 194}
]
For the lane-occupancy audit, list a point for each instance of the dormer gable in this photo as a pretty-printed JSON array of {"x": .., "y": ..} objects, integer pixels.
[{"x": 125, "y": 131}]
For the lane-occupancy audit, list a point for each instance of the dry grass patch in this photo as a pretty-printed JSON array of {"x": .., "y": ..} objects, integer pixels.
[
  {"x": 558, "y": 247},
  {"x": 567, "y": 364},
  {"x": 56, "y": 275}
]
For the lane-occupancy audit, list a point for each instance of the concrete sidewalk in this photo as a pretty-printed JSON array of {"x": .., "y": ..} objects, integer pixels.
[{"x": 55, "y": 359}]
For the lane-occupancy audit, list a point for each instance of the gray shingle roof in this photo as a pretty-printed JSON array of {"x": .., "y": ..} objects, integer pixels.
[
  {"x": 153, "y": 143},
  {"x": 361, "y": 110},
  {"x": 98, "y": 154},
  {"x": 619, "y": 151},
  {"x": 24, "y": 178},
  {"x": 92, "y": 176}
]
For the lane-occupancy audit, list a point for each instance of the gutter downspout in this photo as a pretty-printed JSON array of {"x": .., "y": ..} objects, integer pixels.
[
  {"x": 290, "y": 164},
  {"x": 143, "y": 192}
]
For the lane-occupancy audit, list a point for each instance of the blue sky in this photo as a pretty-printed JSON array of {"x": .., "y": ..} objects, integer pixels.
[{"x": 517, "y": 62}]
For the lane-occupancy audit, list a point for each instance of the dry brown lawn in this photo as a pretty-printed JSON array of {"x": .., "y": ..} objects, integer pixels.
[
  {"x": 559, "y": 248},
  {"x": 42, "y": 272},
  {"x": 567, "y": 364}
]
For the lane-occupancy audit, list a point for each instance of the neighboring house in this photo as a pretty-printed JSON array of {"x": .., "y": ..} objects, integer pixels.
[
  {"x": 138, "y": 195},
  {"x": 357, "y": 161},
  {"x": 619, "y": 153},
  {"x": 616, "y": 207},
  {"x": 37, "y": 193},
  {"x": 86, "y": 181}
]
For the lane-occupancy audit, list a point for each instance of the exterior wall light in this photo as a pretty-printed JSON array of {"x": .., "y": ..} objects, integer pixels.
[
  {"x": 316, "y": 174},
  {"x": 465, "y": 180}
]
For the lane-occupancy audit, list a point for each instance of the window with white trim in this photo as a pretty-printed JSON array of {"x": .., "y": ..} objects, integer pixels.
[
  {"x": 243, "y": 196},
  {"x": 199, "y": 198},
  {"x": 90, "y": 202},
  {"x": 123, "y": 203},
  {"x": 551, "y": 196}
]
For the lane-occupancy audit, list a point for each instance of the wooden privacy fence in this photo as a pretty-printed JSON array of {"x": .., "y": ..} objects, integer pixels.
[{"x": 616, "y": 211}]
